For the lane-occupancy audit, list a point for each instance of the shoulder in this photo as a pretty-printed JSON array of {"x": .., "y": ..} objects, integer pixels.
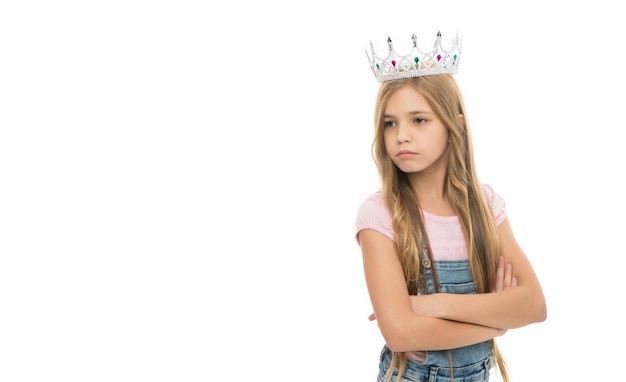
[
  {"x": 496, "y": 203},
  {"x": 374, "y": 202},
  {"x": 373, "y": 213}
]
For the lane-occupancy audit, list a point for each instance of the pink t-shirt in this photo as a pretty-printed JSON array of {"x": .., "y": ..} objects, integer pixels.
[{"x": 444, "y": 232}]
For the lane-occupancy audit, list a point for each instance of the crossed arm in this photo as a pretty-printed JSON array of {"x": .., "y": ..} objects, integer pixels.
[{"x": 445, "y": 321}]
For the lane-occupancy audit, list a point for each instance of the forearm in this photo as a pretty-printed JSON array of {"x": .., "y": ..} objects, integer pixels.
[
  {"x": 509, "y": 309},
  {"x": 428, "y": 333}
]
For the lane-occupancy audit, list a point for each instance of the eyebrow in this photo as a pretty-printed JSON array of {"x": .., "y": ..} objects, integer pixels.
[{"x": 415, "y": 112}]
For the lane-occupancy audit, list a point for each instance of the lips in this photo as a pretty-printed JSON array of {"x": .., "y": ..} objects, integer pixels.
[{"x": 405, "y": 154}]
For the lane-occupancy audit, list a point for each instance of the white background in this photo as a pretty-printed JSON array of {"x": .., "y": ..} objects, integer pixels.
[{"x": 179, "y": 180}]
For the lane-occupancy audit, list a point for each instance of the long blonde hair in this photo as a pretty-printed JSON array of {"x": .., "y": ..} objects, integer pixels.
[{"x": 462, "y": 187}]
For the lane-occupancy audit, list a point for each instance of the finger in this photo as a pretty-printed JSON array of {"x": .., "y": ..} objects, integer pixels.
[
  {"x": 508, "y": 274},
  {"x": 513, "y": 282},
  {"x": 372, "y": 317}
]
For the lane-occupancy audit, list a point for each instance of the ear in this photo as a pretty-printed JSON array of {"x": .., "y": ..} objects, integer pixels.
[{"x": 461, "y": 120}]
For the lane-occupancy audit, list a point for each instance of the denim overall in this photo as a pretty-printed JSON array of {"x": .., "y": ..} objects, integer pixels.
[{"x": 471, "y": 363}]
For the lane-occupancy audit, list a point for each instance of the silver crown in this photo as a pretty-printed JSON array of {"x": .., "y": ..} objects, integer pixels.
[{"x": 416, "y": 63}]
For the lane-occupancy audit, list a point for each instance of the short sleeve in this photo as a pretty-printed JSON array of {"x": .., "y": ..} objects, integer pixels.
[
  {"x": 496, "y": 202},
  {"x": 374, "y": 214}
]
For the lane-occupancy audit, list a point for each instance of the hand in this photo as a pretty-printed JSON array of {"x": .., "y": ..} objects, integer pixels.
[{"x": 504, "y": 276}]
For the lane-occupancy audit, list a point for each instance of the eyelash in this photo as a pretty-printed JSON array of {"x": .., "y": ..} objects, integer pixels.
[{"x": 419, "y": 121}]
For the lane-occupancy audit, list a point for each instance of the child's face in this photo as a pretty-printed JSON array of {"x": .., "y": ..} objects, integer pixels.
[{"x": 415, "y": 139}]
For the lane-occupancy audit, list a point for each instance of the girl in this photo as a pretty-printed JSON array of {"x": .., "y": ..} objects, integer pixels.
[{"x": 444, "y": 272}]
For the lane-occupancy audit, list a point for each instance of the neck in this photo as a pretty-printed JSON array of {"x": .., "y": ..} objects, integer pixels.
[
  {"x": 431, "y": 195},
  {"x": 428, "y": 185}
]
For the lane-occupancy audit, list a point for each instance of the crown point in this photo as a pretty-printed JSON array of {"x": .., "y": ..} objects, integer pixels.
[
  {"x": 389, "y": 43},
  {"x": 437, "y": 42}
]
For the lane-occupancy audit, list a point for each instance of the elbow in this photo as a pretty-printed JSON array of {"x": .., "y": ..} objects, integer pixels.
[
  {"x": 395, "y": 344},
  {"x": 395, "y": 349},
  {"x": 399, "y": 340},
  {"x": 534, "y": 311},
  {"x": 542, "y": 311},
  {"x": 539, "y": 310},
  {"x": 392, "y": 334},
  {"x": 398, "y": 345},
  {"x": 536, "y": 308}
]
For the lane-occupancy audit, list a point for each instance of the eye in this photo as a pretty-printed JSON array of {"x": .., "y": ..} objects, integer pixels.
[
  {"x": 387, "y": 124},
  {"x": 419, "y": 121}
]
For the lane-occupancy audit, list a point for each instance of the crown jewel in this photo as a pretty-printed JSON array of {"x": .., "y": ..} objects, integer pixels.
[{"x": 416, "y": 63}]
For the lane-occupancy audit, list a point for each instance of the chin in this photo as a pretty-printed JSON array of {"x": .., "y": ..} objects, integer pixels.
[{"x": 411, "y": 170}]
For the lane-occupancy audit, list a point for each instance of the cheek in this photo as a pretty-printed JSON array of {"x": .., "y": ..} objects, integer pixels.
[
  {"x": 389, "y": 148},
  {"x": 387, "y": 142},
  {"x": 444, "y": 141}
]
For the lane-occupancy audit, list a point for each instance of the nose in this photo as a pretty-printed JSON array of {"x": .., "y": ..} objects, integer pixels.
[{"x": 403, "y": 134}]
